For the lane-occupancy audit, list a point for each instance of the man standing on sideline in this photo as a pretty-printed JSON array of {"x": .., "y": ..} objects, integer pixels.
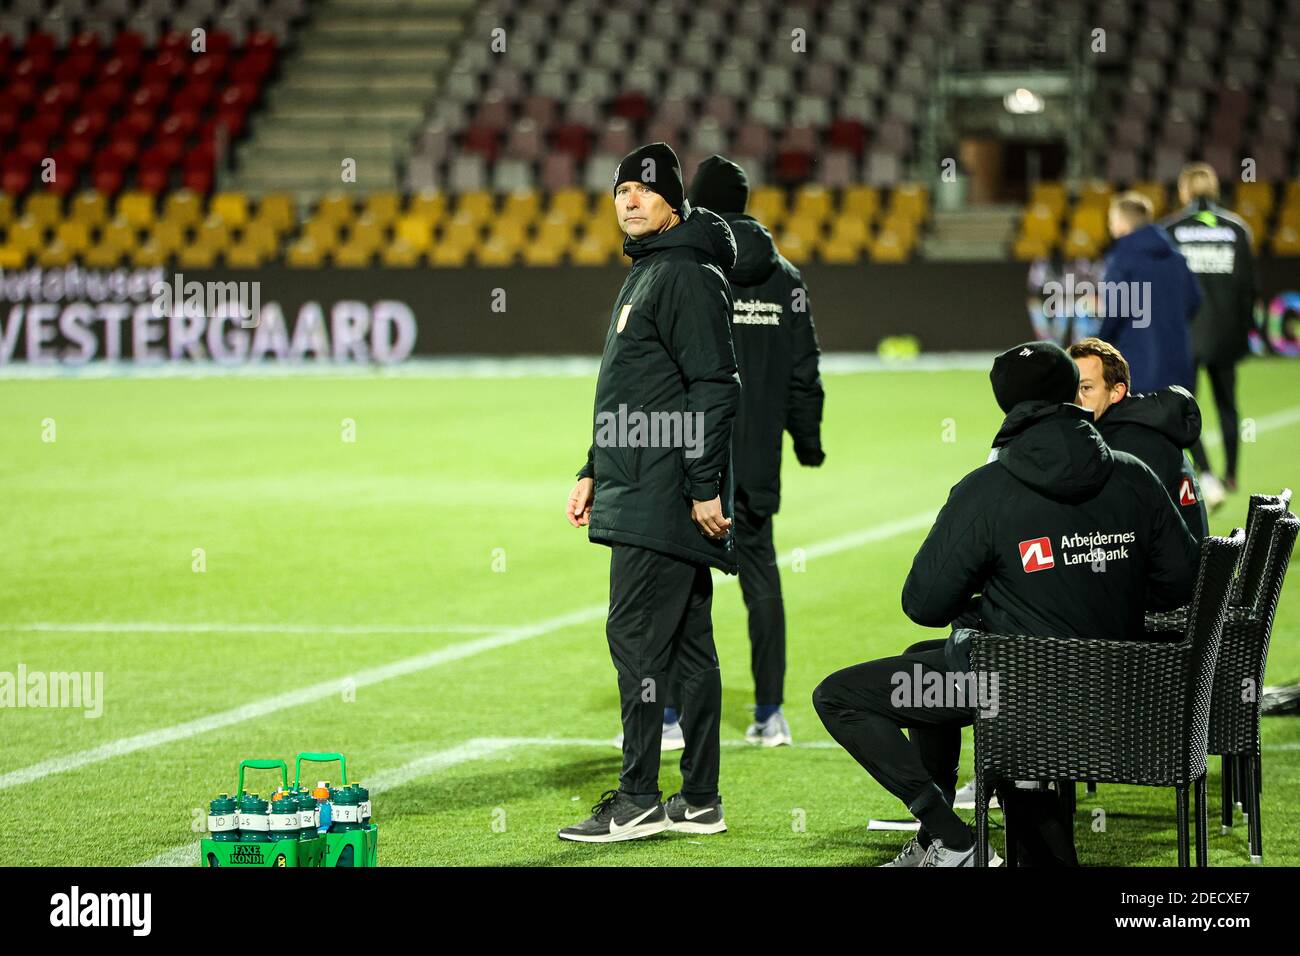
[
  {"x": 657, "y": 489},
  {"x": 1015, "y": 550},
  {"x": 1216, "y": 245},
  {"x": 776, "y": 348},
  {"x": 1150, "y": 299},
  {"x": 1155, "y": 428}
]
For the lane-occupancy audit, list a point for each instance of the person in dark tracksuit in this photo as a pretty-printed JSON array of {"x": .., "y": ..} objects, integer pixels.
[
  {"x": 1217, "y": 247},
  {"x": 777, "y": 351},
  {"x": 657, "y": 489},
  {"x": 1149, "y": 316},
  {"x": 1155, "y": 428},
  {"x": 1057, "y": 535}
]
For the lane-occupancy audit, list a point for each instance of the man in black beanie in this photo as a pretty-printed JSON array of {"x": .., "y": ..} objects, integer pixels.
[
  {"x": 1056, "y": 535},
  {"x": 657, "y": 489},
  {"x": 776, "y": 348}
]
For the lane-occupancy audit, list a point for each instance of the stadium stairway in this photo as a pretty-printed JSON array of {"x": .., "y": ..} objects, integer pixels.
[
  {"x": 332, "y": 104},
  {"x": 976, "y": 233}
]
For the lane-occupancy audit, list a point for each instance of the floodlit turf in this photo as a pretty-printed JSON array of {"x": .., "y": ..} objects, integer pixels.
[{"x": 401, "y": 530}]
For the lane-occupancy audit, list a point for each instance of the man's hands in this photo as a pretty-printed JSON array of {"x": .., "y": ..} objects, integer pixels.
[
  {"x": 707, "y": 516},
  {"x": 580, "y": 499}
]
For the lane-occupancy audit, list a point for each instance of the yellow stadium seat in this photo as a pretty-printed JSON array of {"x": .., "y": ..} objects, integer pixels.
[
  {"x": 136, "y": 208},
  {"x": 1286, "y": 241},
  {"x": 46, "y": 208},
  {"x": 304, "y": 254},
  {"x": 168, "y": 236},
  {"x": 495, "y": 251},
  {"x": 889, "y": 246},
  {"x": 89, "y": 207},
  {"x": 382, "y": 206},
  {"x": 1090, "y": 220},
  {"x": 569, "y": 203},
  {"x": 1292, "y": 197},
  {"x": 261, "y": 235},
  {"x": 1156, "y": 193},
  {"x": 366, "y": 234},
  {"x": 415, "y": 230},
  {"x": 399, "y": 254},
  {"x": 429, "y": 204},
  {"x": 795, "y": 246},
  {"x": 461, "y": 229},
  {"x": 278, "y": 209},
  {"x": 808, "y": 230},
  {"x": 840, "y": 251},
  {"x": 119, "y": 234},
  {"x": 73, "y": 235},
  {"x": 544, "y": 252},
  {"x": 12, "y": 257},
  {"x": 850, "y": 228},
  {"x": 910, "y": 201},
  {"x": 197, "y": 256},
  {"x": 477, "y": 204},
  {"x": 26, "y": 234},
  {"x": 860, "y": 201},
  {"x": 149, "y": 255},
  {"x": 54, "y": 255},
  {"x": 508, "y": 232},
  {"x": 230, "y": 206},
  {"x": 522, "y": 206},
  {"x": 1081, "y": 244},
  {"x": 554, "y": 229},
  {"x": 812, "y": 202},
  {"x": 335, "y": 206},
  {"x": 244, "y": 255},
  {"x": 902, "y": 224},
  {"x": 1028, "y": 248},
  {"x": 6, "y": 209},
  {"x": 1289, "y": 216},
  {"x": 1095, "y": 193},
  {"x": 449, "y": 254},
  {"x": 590, "y": 250},
  {"x": 1256, "y": 195},
  {"x": 324, "y": 233},
  {"x": 1039, "y": 223},
  {"x": 767, "y": 205},
  {"x": 102, "y": 256},
  {"x": 1050, "y": 194},
  {"x": 353, "y": 255},
  {"x": 213, "y": 233},
  {"x": 183, "y": 206}
]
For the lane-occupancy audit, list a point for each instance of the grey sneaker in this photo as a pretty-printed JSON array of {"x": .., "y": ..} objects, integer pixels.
[
  {"x": 688, "y": 819},
  {"x": 616, "y": 818},
  {"x": 911, "y": 855},
  {"x": 672, "y": 738},
  {"x": 940, "y": 855},
  {"x": 773, "y": 732},
  {"x": 965, "y": 798}
]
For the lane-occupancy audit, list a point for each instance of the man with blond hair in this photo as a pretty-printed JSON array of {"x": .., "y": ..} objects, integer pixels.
[
  {"x": 1217, "y": 247},
  {"x": 1150, "y": 298}
]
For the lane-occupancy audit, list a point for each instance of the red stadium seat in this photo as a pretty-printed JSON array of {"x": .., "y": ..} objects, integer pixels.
[
  {"x": 40, "y": 43},
  {"x": 16, "y": 175},
  {"x": 164, "y": 68},
  {"x": 118, "y": 68},
  {"x": 572, "y": 138},
  {"x": 193, "y": 96},
  {"x": 104, "y": 96},
  {"x": 174, "y": 41},
  {"x": 31, "y": 69},
  {"x": 149, "y": 95},
  {"x": 481, "y": 139},
  {"x": 219, "y": 41},
  {"x": 262, "y": 40},
  {"x": 209, "y": 67},
  {"x": 128, "y": 42},
  {"x": 75, "y": 68}
]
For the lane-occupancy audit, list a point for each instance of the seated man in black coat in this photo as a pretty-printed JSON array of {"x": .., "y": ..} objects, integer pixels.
[
  {"x": 1057, "y": 535},
  {"x": 1155, "y": 427}
]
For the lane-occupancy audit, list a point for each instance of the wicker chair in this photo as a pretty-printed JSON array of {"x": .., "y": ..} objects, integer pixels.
[
  {"x": 1243, "y": 655},
  {"x": 1115, "y": 711}
]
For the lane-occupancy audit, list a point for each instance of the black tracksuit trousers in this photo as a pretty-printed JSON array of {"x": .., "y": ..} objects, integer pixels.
[
  {"x": 1223, "y": 383},
  {"x": 857, "y": 708},
  {"x": 660, "y": 622},
  {"x": 760, "y": 583}
]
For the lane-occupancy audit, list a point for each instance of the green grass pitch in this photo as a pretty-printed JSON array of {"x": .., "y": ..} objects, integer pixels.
[{"x": 429, "y": 562}]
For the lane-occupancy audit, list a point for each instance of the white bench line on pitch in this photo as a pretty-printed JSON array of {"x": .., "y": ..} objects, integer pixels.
[
  {"x": 474, "y": 749},
  {"x": 375, "y": 675},
  {"x": 203, "y": 627}
]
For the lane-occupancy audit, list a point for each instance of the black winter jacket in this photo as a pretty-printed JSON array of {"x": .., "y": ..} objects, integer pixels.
[
  {"x": 1059, "y": 536},
  {"x": 1216, "y": 245},
  {"x": 668, "y": 362},
  {"x": 1155, "y": 428},
  {"x": 777, "y": 351}
]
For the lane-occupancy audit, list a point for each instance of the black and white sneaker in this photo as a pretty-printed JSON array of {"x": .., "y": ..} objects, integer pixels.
[
  {"x": 685, "y": 818},
  {"x": 616, "y": 818}
]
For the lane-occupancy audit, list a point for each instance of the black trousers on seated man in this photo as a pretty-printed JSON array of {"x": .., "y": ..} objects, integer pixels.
[
  {"x": 857, "y": 706},
  {"x": 660, "y": 622}
]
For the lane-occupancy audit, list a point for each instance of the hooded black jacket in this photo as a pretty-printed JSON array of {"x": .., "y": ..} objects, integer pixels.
[
  {"x": 668, "y": 350},
  {"x": 1059, "y": 537},
  {"x": 1216, "y": 245},
  {"x": 776, "y": 348},
  {"x": 1155, "y": 428}
]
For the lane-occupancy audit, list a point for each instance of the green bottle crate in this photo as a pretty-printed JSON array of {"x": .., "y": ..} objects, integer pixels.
[
  {"x": 364, "y": 842},
  {"x": 254, "y": 853}
]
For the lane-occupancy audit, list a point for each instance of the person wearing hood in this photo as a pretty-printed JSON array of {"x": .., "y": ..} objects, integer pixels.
[
  {"x": 1149, "y": 298},
  {"x": 1155, "y": 428},
  {"x": 777, "y": 351},
  {"x": 1057, "y": 535},
  {"x": 656, "y": 488},
  {"x": 1217, "y": 246}
]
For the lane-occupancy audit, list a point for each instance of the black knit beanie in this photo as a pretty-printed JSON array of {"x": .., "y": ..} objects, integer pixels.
[
  {"x": 1034, "y": 371},
  {"x": 720, "y": 185},
  {"x": 656, "y": 166}
]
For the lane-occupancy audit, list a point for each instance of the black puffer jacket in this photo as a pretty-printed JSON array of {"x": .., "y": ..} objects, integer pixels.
[
  {"x": 776, "y": 348},
  {"x": 1155, "y": 428},
  {"x": 1059, "y": 536},
  {"x": 668, "y": 356}
]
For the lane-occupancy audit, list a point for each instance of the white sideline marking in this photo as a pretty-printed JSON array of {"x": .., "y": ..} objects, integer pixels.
[
  {"x": 1269, "y": 422},
  {"x": 203, "y": 627},
  {"x": 375, "y": 675},
  {"x": 475, "y": 749}
]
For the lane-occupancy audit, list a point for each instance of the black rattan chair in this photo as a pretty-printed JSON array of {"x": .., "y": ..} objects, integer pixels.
[
  {"x": 1114, "y": 711},
  {"x": 1239, "y": 678}
]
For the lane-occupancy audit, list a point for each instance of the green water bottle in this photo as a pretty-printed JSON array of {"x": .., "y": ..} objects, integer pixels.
[
  {"x": 345, "y": 811},
  {"x": 306, "y": 815},
  {"x": 254, "y": 819},
  {"x": 363, "y": 795},
  {"x": 284, "y": 818},
  {"x": 223, "y": 819}
]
